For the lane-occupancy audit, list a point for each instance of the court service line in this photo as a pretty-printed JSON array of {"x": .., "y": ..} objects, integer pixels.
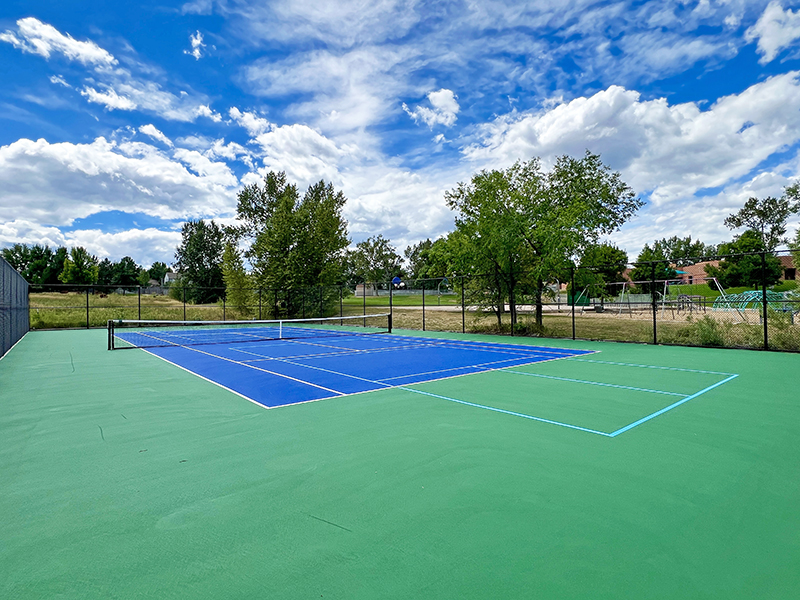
[
  {"x": 611, "y": 385},
  {"x": 507, "y": 412},
  {"x": 670, "y": 407},
  {"x": 606, "y": 362}
]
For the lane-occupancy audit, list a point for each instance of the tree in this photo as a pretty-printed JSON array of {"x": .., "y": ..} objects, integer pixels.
[
  {"x": 144, "y": 278},
  {"x": 745, "y": 267},
  {"x": 105, "y": 272},
  {"x": 157, "y": 271},
  {"x": 199, "y": 260},
  {"x": 126, "y": 272},
  {"x": 652, "y": 264},
  {"x": 683, "y": 252},
  {"x": 79, "y": 268},
  {"x": 795, "y": 247},
  {"x": 37, "y": 264},
  {"x": 767, "y": 217},
  {"x": 416, "y": 257},
  {"x": 375, "y": 260},
  {"x": 295, "y": 243},
  {"x": 600, "y": 266},
  {"x": 527, "y": 221},
  {"x": 237, "y": 285}
]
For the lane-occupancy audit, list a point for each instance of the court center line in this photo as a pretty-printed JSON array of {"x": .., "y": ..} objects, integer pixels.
[
  {"x": 611, "y": 385},
  {"x": 507, "y": 412},
  {"x": 670, "y": 407}
]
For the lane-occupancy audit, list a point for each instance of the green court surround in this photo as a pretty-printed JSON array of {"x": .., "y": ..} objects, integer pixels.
[{"x": 122, "y": 476}]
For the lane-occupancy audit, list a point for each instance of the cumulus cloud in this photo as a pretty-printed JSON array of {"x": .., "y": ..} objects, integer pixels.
[
  {"x": 34, "y": 37},
  {"x": 153, "y": 132},
  {"x": 197, "y": 46},
  {"x": 668, "y": 151},
  {"x": 205, "y": 111},
  {"x": 55, "y": 184},
  {"x": 775, "y": 30},
  {"x": 444, "y": 111},
  {"x": 254, "y": 124}
]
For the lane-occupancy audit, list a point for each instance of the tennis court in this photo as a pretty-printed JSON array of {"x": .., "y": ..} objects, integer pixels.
[{"x": 394, "y": 465}]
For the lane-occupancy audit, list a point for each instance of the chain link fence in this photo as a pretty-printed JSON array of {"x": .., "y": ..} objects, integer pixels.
[
  {"x": 13, "y": 306},
  {"x": 660, "y": 302}
]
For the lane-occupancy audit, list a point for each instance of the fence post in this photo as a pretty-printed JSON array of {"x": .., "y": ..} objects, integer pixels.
[
  {"x": 87, "y": 307},
  {"x": 364, "y": 300},
  {"x": 463, "y": 309},
  {"x": 223, "y": 307},
  {"x": 259, "y": 304},
  {"x": 572, "y": 293},
  {"x": 764, "y": 297},
  {"x": 341, "y": 304},
  {"x": 423, "y": 305},
  {"x": 653, "y": 298},
  {"x": 321, "y": 307},
  {"x": 391, "y": 299},
  {"x": 140, "y": 302},
  {"x": 184, "y": 303}
]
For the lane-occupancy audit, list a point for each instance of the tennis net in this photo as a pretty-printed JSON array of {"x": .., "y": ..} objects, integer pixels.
[{"x": 155, "y": 334}]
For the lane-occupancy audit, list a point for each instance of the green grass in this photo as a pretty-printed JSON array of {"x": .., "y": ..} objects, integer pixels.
[{"x": 125, "y": 477}]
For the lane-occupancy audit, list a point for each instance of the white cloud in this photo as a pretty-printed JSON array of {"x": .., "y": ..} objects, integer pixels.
[
  {"x": 59, "y": 80},
  {"x": 153, "y": 132},
  {"x": 205, "y": 111},
  {"x": 775, "y": 30},
  {"x": 254, "y": 124},
  {"x": 34, "y": 37},
  {"x": 444, "y": 111},
  {"x": 110, "y": 99},
  {"x": 197, "y": 46},
  {"x": 145, "y": 246},
  {"x": 54, "y": 184}
]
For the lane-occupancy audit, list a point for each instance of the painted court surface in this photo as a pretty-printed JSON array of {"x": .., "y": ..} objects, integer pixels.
[{"x": 432, "y": 466}]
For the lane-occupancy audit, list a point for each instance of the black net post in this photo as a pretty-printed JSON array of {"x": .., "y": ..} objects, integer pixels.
[
  {"x": 764, "y": 298},
  {"x": 653, "y": 298},
  {"x": 572, "y": 294},
  {"x": 463, "y": 309}
]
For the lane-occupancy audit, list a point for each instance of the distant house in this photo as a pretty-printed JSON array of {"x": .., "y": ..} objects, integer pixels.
[
  {"x": 171, "y": 278},
  {"x": 366, "y": 290},
  {"x": 789, "y": 270},
  {"x": 695, "y": 273}
]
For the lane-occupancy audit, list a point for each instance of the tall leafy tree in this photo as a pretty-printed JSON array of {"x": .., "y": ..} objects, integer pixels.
[
  {"x": 80, "y": 267},
  {"x": 105, "y": 272},
  {"x": 126, "y": 272},
  {"x": 601, "y": 266},
  {"x": 526, "y": 220},
  {"x": 38, "y": 264},
  {"x": 416, "y": 258},
  {"x": 157, "y": 271},
  {"x": 767, "y": 217},
  {"x": 294, "y": 242},
  {"x": 375, "y": 260},
  {"x": 745, "y": 267},
  {"x": 238, "y": 292},
  {"x": 652, "y": 264},
  {"x": 199, "y": 260},
  {"x": 683, "y": 252}
]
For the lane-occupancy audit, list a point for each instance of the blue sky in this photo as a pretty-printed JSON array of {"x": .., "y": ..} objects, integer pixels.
[{"x": 118, "y": 121}]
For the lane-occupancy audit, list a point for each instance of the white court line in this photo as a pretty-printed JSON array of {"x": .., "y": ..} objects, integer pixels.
[
  {"x": 494, "y": 362},
  {"x": 249, "y": 366},
  {"x": 606, "y": 362}
]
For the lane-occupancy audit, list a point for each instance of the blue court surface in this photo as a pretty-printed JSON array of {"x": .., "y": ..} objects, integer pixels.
[{"x": 276, "y": 373}]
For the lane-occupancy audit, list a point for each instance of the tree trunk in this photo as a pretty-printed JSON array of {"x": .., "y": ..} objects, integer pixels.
[{"x": 539, "y": 308}]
